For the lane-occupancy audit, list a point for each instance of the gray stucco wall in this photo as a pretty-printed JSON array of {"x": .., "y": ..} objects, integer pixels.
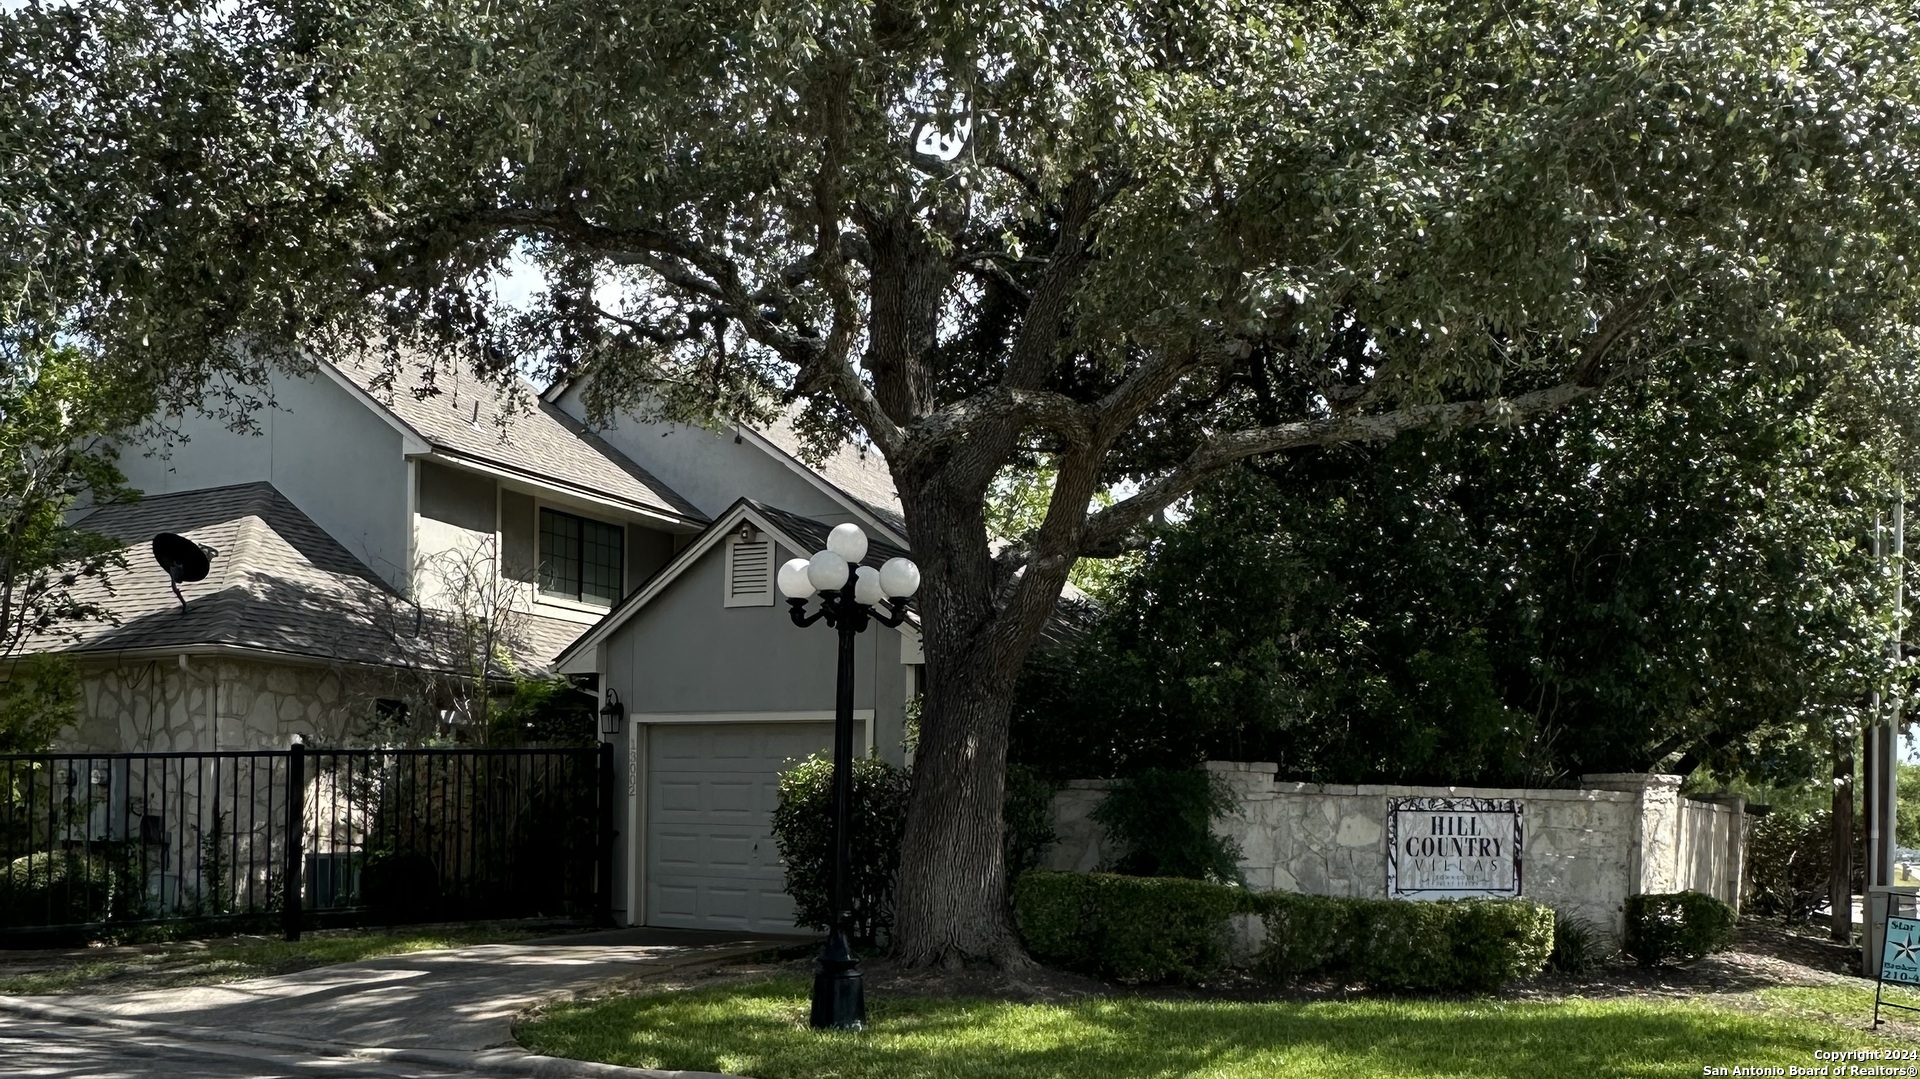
[
  {"x": 685, "y": 652},
  {"x": 332, "y": 456},
  {"x": 709, "y": 468},
  {"x": 458, "y": 498}
]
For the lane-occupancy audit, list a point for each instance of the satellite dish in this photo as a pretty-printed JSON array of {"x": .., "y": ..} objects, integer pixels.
[{"x": 183, "y": 559}]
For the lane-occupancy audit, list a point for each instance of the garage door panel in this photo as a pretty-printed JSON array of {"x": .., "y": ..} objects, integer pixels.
[{"x": 711, "y": 790}]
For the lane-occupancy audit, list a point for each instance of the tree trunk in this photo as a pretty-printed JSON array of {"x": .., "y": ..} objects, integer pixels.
[
  {"x": 950, "y": 901},
  {"x": 950, "y": 898},
  {"x": 1840, "y": 880}
]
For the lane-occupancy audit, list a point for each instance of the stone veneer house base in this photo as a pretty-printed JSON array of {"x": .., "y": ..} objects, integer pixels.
[{"x": 162, "y": 706}]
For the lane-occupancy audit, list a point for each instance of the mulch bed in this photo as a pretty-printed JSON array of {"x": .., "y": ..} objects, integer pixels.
[{"x": 1763, "y": 956}]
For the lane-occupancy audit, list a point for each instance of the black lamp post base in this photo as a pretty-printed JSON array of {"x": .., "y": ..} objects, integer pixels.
[{"x": 839, "y": 1000}]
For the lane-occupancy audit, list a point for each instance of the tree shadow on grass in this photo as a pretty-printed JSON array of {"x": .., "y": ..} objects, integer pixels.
[{"x": 759, "y": 1030}]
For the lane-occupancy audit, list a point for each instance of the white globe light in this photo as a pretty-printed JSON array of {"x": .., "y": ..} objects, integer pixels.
[
  {"x": 866, "y": 587},
  {"x": 827, "y": 571},
  {"x": 794, "y": 583},
  {"x": 899, "y": 578},
  {"x": 848, "y": 542}
]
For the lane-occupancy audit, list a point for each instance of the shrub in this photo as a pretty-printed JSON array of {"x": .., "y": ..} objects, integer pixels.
[
  {"x": 1028, "y": 812},
  {"x": 803, "y": 829},
  {"x": 1789, "y": 861},
  {"x": 1130, "y": 929},
  {"x": 1677, "y": 927},
  {"x": 1160, "y": 822},
  {"x": 1577, "y": 945},
  {"x": 1160, "y": 929},
  {"x": 1306, "y": 934},
  {"x": 65, "y": 888},
  {"x": 1468, "y": 944}
]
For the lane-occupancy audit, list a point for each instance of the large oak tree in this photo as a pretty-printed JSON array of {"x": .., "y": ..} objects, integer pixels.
[{"x": 1141, "y": 240}]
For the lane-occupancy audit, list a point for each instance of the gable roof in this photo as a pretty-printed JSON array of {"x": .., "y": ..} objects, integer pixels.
[
  {"x": 279, "y": 585},
  {"x": 467, "y": 420},
  {"x": 790, "y": 529},
  {"x": 858, "y": 474},
  {"x": 857, "y": 477}
]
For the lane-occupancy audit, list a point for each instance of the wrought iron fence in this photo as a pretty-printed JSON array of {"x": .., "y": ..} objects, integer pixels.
[{"x": 90, "y": 841}]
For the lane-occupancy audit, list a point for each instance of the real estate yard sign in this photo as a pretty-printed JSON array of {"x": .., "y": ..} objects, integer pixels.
[
  {"x": 1453, "y": 848},
  {"x": 1899, "y": 962}
]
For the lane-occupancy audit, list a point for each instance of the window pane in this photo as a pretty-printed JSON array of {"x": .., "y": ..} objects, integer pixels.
[
  {"x": 559, "y": 554},
  {"x": 601, "y": 555}
]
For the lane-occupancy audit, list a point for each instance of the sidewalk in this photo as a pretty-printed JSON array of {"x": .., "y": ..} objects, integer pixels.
[{"x": 450, "y": 1011}]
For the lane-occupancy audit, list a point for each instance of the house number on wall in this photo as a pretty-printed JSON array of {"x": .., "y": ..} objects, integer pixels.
[{"x": 1451, "y": 848}]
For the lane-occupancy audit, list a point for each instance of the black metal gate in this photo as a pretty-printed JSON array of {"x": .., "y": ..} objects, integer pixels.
[{"x": 357, "y": 836}]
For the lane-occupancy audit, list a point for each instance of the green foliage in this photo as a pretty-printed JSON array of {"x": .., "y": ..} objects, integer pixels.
[
  {"x": 1789, "y": 862},
  {"x": 1160, "y": 822},
  {"x": 67, "y": 888},
  {"x": 59, "y": 410},
  {"x": 543, "y": 711},
  {"x": 1129, "y": 929},
  {"x": 1677, "y": 927},
  {"x": 1164, "y": 928},
  {"x": 1017, "y": 506},
  {"x": 1577, "y": 946},
  {"x": 1475, "y": 945},
  {"x": 803, "y": 829},
  {"x": 41, "y": 694},
  {"x": 1673, "y": 577},
  {"x": 1028, "y": 812}
]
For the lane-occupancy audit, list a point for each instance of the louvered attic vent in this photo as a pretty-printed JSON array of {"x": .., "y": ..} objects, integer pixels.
[{"x": 749, "y": 571}]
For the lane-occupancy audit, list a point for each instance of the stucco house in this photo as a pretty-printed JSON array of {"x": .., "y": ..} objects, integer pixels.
[{"x": 365, "y": 529}]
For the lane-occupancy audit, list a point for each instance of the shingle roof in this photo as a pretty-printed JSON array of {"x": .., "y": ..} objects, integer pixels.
[
  {"x": 467, "y": 418},
  {"x": 279, "y": 584},
  {"x": 812, "y": 534},
  {"x": 860, "y": 472}
]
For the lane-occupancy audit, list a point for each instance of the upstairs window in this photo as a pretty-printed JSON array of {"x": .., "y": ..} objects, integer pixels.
[{"x": 580, "y": 559}]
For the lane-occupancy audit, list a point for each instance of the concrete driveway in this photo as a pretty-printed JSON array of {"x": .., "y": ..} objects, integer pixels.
[{"x": 425, "y": 1014}]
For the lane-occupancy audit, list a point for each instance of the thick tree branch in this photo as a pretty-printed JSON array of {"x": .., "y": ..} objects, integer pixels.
[
  {"x": 1032, "y": 358},
  {"x": 1107, "y": 528},
  {"x": 1075, "y": 423}
]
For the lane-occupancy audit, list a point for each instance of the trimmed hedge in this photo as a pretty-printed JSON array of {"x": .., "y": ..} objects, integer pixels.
[
  {"x": 1143, "y": 929},
  {"x": 1463, "y": 944},
  {"x": 1128, "y": 929},
  {"x": 1677, "y": 927}
]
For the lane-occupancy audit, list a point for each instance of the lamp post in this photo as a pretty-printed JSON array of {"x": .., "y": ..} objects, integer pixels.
[{"x": 851, "y": 595}]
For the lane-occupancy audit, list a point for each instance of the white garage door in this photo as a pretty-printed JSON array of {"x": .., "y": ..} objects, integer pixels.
[{"x": 711, "y": 791}]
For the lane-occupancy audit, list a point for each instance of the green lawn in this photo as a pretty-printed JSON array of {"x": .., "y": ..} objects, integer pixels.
[
  {"x": 759, "y": 1029},
  {"x": 208, "y": 962}
]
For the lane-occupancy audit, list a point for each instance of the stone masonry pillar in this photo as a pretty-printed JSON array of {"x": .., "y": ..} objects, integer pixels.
[{"x": 1653, "y": 858}]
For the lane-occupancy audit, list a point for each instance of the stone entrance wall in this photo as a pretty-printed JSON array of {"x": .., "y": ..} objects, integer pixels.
[
  {"x": 223, "y": 704},
  {"x": 1585, "y": 850}
]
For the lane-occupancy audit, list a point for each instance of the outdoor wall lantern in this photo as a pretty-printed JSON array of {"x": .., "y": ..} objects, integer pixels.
[
  {"x": 610, "y": 714},
  {"x": 850, "y": 595}
]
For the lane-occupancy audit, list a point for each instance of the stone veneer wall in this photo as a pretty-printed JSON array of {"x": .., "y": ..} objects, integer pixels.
[
  {"x": 1584, "y": 852},
  {"x": 154, "y": 706}
]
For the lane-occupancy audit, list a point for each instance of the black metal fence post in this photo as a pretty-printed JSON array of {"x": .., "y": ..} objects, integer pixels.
[
  {"x": 296, "y": 827},
  {"x": 603, "y": 851}
]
